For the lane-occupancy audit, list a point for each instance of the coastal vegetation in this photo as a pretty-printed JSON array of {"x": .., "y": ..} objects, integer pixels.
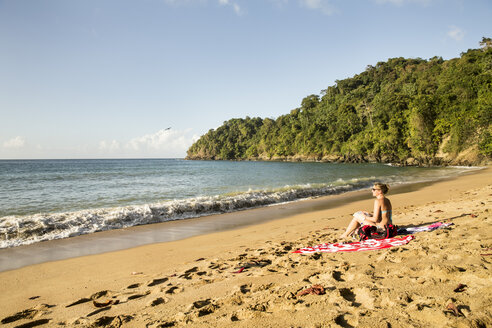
[{"x": 408, "y": 111}]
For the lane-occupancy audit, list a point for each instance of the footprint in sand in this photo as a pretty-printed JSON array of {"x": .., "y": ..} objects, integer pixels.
[
  {"x": 263, "y": 287},
  {"x": 156, "y": 282},
  {"x": 214, "y": 266},
  {"x": 254, "y": 263},
  {"x": 337, "y": 275},
  {"x": 28, "y": 313},
  {"x": 260, "y": 307},
  {"x": 204, "y": 307},
  {"x": 238, "y": 315},
  {"x": 348, "y": 295},
  {"x": 189, "y": 273},
  {"x": 34, "y": 323},
  {"x": 345, "y": 320},
  {"x": 165, "y": 324},
  {"x": 293, "y": 263},
  {"x": 234, "y": 299},
  {"x": 137, "y": 296},
  {"x": 158, "y": 301},
  {"x": 244, "y": 289},
  {"x": 80, "y": 301},
  {"x": 174, "y": 290},
  {"x": 282, "y": 251},
  {"x": 240, "y": 257},
  {"x": 112, "y": 322},
  {"x": 93, "y": 313}
]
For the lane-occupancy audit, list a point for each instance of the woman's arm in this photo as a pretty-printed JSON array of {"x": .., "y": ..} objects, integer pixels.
[
  {"x": 369, "y": 217},
  {"x": 377, "y": 211}
]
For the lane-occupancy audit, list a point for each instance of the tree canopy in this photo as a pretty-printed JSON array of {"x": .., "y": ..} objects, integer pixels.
[{"x": 391, "y": 112}]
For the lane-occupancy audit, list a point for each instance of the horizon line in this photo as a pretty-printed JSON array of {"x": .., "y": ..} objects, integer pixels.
[{"x": 87, "y": 158}]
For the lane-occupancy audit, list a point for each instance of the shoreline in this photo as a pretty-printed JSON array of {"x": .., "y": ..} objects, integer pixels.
[
  {"x": 125, "y": 238},
  {"x": 53, "y": 215},
  {"x": 479, "y": 161},
  {"x": 191, "y": 281}
]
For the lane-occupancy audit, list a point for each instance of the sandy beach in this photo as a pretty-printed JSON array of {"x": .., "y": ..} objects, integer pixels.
[{"x": 250, "y": 277}]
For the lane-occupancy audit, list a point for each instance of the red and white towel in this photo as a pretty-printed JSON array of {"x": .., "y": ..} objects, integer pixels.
[{"x": 366, "y": 245}]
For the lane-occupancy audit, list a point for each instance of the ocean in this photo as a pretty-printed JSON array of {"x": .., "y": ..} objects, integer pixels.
[{"x": 52, "y": 199}]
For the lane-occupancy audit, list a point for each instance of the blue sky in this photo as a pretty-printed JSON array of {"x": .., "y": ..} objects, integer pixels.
[{"x": 107, "y": 78}]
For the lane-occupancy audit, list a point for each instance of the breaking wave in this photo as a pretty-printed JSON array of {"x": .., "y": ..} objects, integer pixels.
[{"x": 29, "y": 229}]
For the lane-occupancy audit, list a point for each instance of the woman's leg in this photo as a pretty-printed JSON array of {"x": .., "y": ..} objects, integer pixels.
[
  {"x": 353, "y": 225},
  {"x": 358, "y": 219}
]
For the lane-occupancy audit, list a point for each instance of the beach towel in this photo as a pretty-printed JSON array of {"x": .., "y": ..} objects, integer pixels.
[
  {"x": 431, "y": 227},
  {"x": 366, "y": 245}
]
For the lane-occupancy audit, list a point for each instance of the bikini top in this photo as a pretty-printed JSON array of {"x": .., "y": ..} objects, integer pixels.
[{"x": 390, "y": 214}]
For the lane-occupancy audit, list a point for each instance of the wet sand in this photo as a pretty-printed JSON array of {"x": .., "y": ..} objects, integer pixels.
[{"x": 247, "y": 276}]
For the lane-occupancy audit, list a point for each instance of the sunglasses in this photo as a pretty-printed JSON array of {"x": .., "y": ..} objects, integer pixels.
[{"x": 373, "y": 189}]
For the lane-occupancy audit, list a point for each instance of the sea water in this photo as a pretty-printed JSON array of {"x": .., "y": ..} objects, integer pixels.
[{"x": 52, "y": 199}]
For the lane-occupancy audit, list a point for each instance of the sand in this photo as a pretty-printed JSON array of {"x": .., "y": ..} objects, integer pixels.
[{"x": 249, "y": 277}]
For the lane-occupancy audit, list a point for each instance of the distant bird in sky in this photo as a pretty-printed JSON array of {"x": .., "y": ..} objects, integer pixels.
[{"x": 167, "y": 129}]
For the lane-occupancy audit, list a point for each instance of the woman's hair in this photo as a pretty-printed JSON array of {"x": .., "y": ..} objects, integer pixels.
[{"x": 384, "y": 187}]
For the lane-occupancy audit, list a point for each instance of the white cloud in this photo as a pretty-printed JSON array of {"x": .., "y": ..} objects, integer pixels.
[
  {"x": 234, "y": 5},
  {"x": 163, "y": 143},
  {"x": 109, "y": 146},
  {"x": 456, "y": 33},
  {"x": 162, "y": 139},
  {"x": 168, "y": 142},
  {"x": 15, "y": 143},
  {"x": 323, "y": 5}
]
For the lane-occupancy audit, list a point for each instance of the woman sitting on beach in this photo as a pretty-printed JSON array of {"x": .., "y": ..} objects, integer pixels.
[{"x": 381, "y": 216}]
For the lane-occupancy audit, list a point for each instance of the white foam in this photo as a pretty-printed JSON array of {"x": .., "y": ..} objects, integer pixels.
[{"x": 24, "y": 230}]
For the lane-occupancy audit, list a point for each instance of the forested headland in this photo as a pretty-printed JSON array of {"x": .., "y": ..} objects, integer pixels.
[{"x": 407, "y": 111}]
